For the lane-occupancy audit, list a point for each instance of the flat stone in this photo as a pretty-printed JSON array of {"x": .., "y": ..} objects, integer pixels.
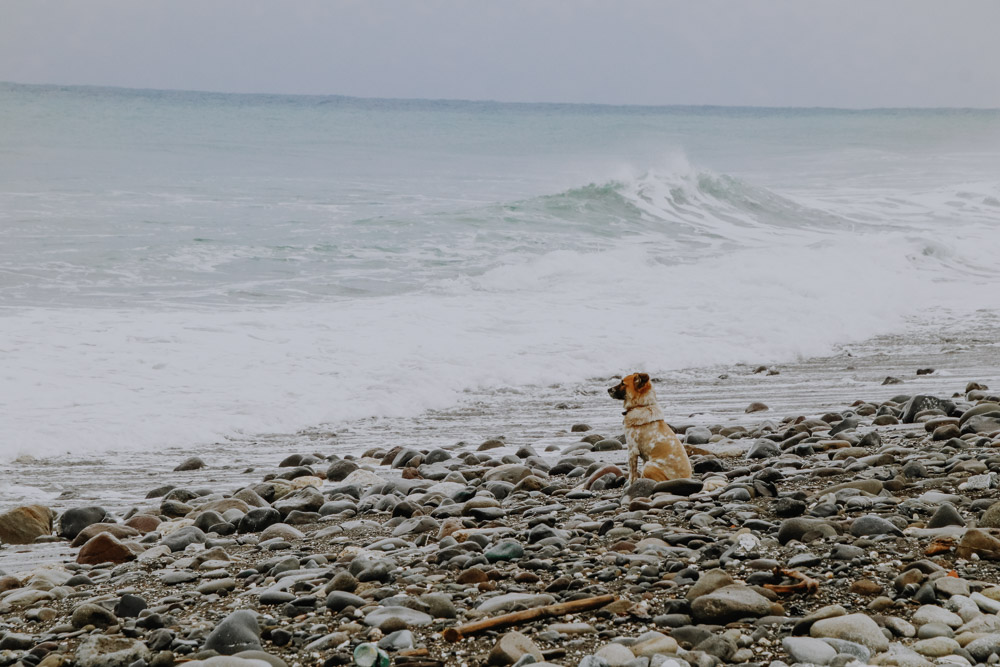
[
  {"x": 658, "y": 643},
  {"x": 929, "y": 613},
  {"x": 730, "y": 603},
  {"x": 402, "y": 615},
  {"x": 936, "y": 647},
  {"x": 858, "y": 628}
]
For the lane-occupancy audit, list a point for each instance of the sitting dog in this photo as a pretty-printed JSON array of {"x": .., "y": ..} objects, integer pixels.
[{"x": 647, "y": 434}]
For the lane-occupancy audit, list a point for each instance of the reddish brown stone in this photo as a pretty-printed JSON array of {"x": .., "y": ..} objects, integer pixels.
[
  {"x": 473, "y": 575},
  {"x": 866, "y": 587},
  {"x": 144, "y": 523},
  {"x": 104, "y": 548},
  {"x": 93, "y": 529}
]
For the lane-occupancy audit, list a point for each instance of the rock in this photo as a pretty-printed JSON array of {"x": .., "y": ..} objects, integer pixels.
[
  {"x": 397, "y": 641},
  {"x": 505, "y": 550},
  {"x": 945, "y": 515},
  {"x": 808, "y": 650},
  {"x": 756, "y": 406},
  {"x": 439, "y": 605},
  {"x": 16, "y": 641},
  {"x": 981, "y": 409},
  {"x": 73, "y": 520},
  {"x": 104, "y": 548},
  {"x": 416, "y": 525},
  {"x": 337, "y": 601},
  {"x": 982, "y": 648},
  {"x": 763, "y": 449},
  {"x": 789, "y": 507},
  {"x": 708, "y": 582},
  {"x": 649, "y": 644},
  {"x": 119, "y": 531},
  {"x": 509, "y": 472},
  {"x": 511, "y": 647},
  {"x": 92, "y": 614},
  {"x": 858, "y": 628},
  {"x": 615, "y": 655},
  {"x": 919, "y": 403},
  {"x": 936, "y": 647},
  {"x": 182, "y": 537},
  {"x": 144, "y": 523},
  {"x": 801, "y": 529},
  {"x": 281, "y": 531},
  {"x": 129, "y": 606},
  {"x": 980, "y": 543},
  {"x": 220, "y": 586},
  {"x": 307, "y": 499},
  {"x": 991, "y": 517},
  {"x": 930, "y": 613},
  {"x": 698, "y": 435},
  {"x": 397, "y": 616},
  {"x": 339, "y": 470},
  {"x": 23, "y": 525},
  {"x": 871, "y": 524},
  {"x": 193, "y": 463},
  {"x": 104, "y": 651},
  {"x": 258, "y": 519},
  {"x": 237, "y": 632},
  {"x": 730, "y": 603},
  {"x": 679, "y": 487},
  {"x": 608, "y": 445}
]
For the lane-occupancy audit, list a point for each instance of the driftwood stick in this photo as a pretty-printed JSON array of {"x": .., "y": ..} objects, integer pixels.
[
  {"x": 526, "y": 616},
  {"x": 805, "y": 585}
]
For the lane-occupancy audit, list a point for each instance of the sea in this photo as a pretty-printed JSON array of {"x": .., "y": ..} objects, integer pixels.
[{"x": 246, "y": 276}]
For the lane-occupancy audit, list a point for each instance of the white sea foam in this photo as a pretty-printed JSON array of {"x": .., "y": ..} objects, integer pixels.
[{"x": 91, "y": 379}]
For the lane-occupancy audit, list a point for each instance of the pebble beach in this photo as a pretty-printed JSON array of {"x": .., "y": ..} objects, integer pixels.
[{"x": 861, "y": 533}]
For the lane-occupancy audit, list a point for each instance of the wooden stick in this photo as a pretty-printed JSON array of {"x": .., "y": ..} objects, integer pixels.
[
  {"x": 526, "y": 616},
  {"x": 806, "y": 585}
]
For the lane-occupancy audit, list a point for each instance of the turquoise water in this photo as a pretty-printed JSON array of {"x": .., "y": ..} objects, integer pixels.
[{"x": 176, "y": 267}]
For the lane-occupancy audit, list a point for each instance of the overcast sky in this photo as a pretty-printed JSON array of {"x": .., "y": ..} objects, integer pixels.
[{"x": 844, "y": 53}]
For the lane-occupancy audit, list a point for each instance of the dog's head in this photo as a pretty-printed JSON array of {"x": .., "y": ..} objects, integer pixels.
[{"x": 631, "y": 386}]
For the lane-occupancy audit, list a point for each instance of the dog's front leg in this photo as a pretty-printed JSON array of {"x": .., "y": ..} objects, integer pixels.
[{"x": 633, "y": 463}]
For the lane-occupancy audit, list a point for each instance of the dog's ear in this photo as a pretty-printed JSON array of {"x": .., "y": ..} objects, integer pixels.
[{"x": 640, "y": 380}]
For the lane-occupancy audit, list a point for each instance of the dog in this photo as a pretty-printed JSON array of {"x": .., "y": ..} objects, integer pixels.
[{"x": 647, "y": 434}]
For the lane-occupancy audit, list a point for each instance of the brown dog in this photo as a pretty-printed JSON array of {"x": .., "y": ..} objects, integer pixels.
[{"x": 647, "y": 434}]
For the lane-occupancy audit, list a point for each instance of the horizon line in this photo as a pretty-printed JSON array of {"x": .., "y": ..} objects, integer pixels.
[{"x": 467, "y": 101}]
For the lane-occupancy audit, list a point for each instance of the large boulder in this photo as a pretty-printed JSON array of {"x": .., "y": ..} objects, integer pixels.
[
  {"x": 23, "y": 525},
  {"x": 73, "y": 520}
]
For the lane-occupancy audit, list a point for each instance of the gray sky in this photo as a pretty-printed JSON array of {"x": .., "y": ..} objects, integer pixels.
[{"x": 844, "y": 53}]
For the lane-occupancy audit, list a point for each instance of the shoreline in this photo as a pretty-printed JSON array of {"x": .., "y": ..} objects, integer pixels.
[{"x": 774, "y": 552}]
